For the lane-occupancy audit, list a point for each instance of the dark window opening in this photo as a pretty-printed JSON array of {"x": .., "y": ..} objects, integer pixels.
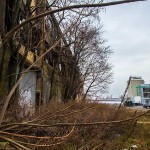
[{"x": 37, "y": 100}]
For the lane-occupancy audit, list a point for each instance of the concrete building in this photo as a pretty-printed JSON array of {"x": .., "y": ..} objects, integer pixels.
[
  {"x": 134, "y": 82},
  {"x": 53, "y": 78},
  {"x": 143, "y": 90},
  {"x": 138, "y": 92}
]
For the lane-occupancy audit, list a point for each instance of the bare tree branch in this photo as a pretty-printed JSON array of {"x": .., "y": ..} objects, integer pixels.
[{"x": 62, "y": 9}]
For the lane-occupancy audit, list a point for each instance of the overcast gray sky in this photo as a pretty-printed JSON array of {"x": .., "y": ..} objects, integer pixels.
[{"x": 127, "y": 29}]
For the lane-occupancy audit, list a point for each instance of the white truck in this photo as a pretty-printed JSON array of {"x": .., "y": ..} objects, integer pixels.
[{"x": 146, "y": 104}]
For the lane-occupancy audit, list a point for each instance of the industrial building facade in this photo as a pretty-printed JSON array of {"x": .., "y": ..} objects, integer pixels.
[
  {"x": 134, "y": 82},
  {"x": 138, "y": 92},
  {"x": 143, "y": 90},
  {"x": 54, "y": 77}
]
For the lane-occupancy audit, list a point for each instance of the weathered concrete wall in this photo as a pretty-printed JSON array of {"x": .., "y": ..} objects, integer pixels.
[
  {"x": 27, "y": 88},
  {"x": 132, "y": 87},
  {"x": 52, "y": 84}
]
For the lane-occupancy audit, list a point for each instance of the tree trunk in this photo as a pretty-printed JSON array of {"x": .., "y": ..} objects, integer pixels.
[
  {"x": 2, "y": 24},
  {"x": 4, "y": 71},
  {"x": 8, "y": 52}
]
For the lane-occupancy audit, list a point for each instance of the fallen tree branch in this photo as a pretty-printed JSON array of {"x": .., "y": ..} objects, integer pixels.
[
  {"x": 12, "y": 142},
  {"x": 38, "y": 145},
  {"x": 37, "y": 137},
  {"x": 9, "y": 126},
  {"x": 83, "y": 124}
]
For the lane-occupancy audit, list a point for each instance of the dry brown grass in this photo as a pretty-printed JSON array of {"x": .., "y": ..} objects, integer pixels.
[{"x": 56, "y": 134}]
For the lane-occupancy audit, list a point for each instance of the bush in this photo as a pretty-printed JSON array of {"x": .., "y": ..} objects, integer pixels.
[{"x": 56, "y": 132}]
